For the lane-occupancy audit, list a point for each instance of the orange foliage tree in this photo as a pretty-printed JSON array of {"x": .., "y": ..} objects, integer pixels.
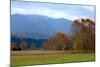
[
  {"x": 57, "y": 42},
  {"x": 84, "y": 34}
]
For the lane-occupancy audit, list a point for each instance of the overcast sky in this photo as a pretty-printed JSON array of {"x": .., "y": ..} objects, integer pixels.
[{"x": 53, "y": 10}]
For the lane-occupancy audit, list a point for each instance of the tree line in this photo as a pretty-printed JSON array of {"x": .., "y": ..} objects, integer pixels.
[
  {"x": 82, "y": 38},
  {"x": 22, "y": 46}
]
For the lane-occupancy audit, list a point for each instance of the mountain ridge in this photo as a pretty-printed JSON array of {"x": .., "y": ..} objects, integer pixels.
[{"x": 39, "y": 24}]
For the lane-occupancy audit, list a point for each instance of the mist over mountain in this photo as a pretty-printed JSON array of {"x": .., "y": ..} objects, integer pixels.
[{"x": 38, "y": 26}]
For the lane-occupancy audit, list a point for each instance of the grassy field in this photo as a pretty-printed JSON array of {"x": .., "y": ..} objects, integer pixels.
[{"x": 21, "y": 58}]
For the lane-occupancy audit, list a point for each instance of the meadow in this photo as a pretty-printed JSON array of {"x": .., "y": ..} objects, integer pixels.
[{"x": 41, "y": 57}]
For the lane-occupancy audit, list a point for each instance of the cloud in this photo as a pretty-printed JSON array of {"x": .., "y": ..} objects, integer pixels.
[
  {"x": 44, "y": 11},
  {"x": 18, "y": 10},
  {"x": 70, "y": 13}
]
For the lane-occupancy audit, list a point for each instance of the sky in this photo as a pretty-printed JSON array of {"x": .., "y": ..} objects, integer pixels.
[{"x": 66, "y": 11}]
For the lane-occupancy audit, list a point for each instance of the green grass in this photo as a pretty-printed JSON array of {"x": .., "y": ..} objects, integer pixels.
[{"x": 21, "y": 58}]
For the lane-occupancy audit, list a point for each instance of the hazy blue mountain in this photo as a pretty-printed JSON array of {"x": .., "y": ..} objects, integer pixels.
[{"x": 38, "y": 26}]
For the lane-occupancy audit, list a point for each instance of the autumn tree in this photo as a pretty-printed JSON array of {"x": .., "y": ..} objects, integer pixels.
[
  {"x": 13, "y": 46},
  {"x": 84, "y": 34},
  {"x": 33, "y": 46},
  {"x": 24, "y": 45},
  {"x": 89, "y": 34},
  {"x": 57, "y": 42}
]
